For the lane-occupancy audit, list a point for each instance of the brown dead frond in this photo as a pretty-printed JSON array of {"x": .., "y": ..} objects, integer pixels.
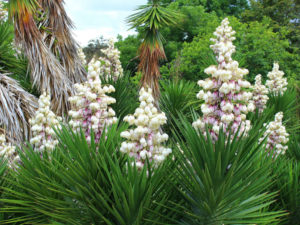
[
  {"x": 16, "y": 108},
  {"x": 150, "y": 57},
  {"x": 60, "y": 40},
  {"x": 46, "y": 71}
]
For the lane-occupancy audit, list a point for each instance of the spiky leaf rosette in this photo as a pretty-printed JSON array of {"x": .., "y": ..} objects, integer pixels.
[
  {"x": 42, "y": 124},
  {"x": 260, "y": 94},
  {"x": 16, "y": 107},
  {"x": 277, "y": 137},
  {"x": 276, "y": 84},
  {"x": 90, "y": 105},
  {"x": 111, "y": 64},
  {"x": 145, "y": 141},
  {"x": 8, "y": 152},
  {"x": 225, "y": 93}
]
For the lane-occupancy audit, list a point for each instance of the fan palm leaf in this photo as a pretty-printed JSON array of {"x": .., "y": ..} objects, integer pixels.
[{"x": 16, "y": 107}]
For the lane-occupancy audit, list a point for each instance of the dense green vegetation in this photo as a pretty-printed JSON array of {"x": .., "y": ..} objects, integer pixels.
[{"x": 233, "y": 180}]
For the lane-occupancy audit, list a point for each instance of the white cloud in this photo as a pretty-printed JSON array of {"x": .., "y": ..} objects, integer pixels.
[{"x": 94, "y": 18}]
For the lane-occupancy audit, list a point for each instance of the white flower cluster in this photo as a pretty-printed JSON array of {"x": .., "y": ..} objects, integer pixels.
[
  {"x": 90, "y": 105},
  {"x": 260, "y": 94},
  {"x": 43, "y": 135},
  {"x": 225, "y": 94},
  {"x": 82, "y": 56},
  {"x": 276, "y": 84},
  {"x": 111, "y": 65},
  {"x": 3, "y": 12},
  {"x": 145, "y": 141},
  {"x": 8, "y": 152},
  {"x": 277, "y": 136}
]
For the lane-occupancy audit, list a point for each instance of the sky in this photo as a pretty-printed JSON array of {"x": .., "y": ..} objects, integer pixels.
[{"x": 95, "y": 18}]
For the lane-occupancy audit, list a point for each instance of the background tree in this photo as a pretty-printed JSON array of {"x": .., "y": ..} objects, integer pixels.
[
  {"x": 285, "y": 14},
  {"x": 94, "y": 47}
]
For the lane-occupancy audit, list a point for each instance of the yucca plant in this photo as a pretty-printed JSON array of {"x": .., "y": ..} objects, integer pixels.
[
  {"x": 178, "y": 97},
  {"x": 287, "y": 180},
  {"x": 150, "y": 18},
  {"x": 225, "y": 182},
  {"x": 286, "y": 103},
  {"x": 80, "y": 183},
  {"x": 3, "y": 169}
]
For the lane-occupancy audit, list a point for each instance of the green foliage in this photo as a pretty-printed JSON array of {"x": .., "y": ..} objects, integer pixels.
[
  {"x": 286, "y": 103},
  {"x": 87, "y": 184},
  {"x": 11, "y": 62},
  {"x": 285, "y": 14},
  {"x": 178, "y": 98},
  {"x": 129, "y": 48},
  {"x": 221, "y": 7},
  {"x": 286, "y": 180},
  {"x": 125, "y": 95},
  {"x": 225, "y": 182},
  {"x": 253, "y": 51}
]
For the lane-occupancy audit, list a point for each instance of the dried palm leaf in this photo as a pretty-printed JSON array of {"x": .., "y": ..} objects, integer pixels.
[
  {"x": 46, "y": 71},
  {"x": 149, "y": 66},
  {"x": 16, "y": 108},
  {"x": 59, "y": 39}
]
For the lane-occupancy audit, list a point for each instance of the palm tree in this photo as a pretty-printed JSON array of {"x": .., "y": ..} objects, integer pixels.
[
  {"x": 151, "y": 18},
  {"x": 42, "y": 30}
]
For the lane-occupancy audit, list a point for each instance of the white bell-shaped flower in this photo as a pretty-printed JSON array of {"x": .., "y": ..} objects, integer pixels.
[
  {"x": 145, "y": 141},
  {"x": 42, "y": 124},
  {"x": 90, "y": 106},
  {"x": 227, "y": 97}
]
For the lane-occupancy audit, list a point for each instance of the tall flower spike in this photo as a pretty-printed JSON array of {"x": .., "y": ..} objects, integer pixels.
[
  {"x": 43, "y": 135},
  {"x": 82, "y": 56},
  {"x": 111, "y": 62},
  {"x": 90, "y": 105},
  {"x": 3, "y": 12},
  {"x": 260, "y": 94},
  {"x": 8, "y": 152},
  {"x": 277, "y": 136},
  {"x": 225, "y": 94},
  {"x": 276, "y": 84},
  {"x": 145, "y": 141}
]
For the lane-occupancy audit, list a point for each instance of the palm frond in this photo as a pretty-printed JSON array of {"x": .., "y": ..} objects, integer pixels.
[
  {"x": 151, "y": 17},
  {"x": 57, "y": 34},
  {"x": 16, "y": 108},
  {"x": 46, "y": 71}
]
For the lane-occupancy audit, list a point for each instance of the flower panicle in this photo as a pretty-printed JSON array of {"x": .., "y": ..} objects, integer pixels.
[
  {"x": 90, "y": 108},
  {"x": 145, "y": 140},
  {"x": 227, "y": 97}
]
